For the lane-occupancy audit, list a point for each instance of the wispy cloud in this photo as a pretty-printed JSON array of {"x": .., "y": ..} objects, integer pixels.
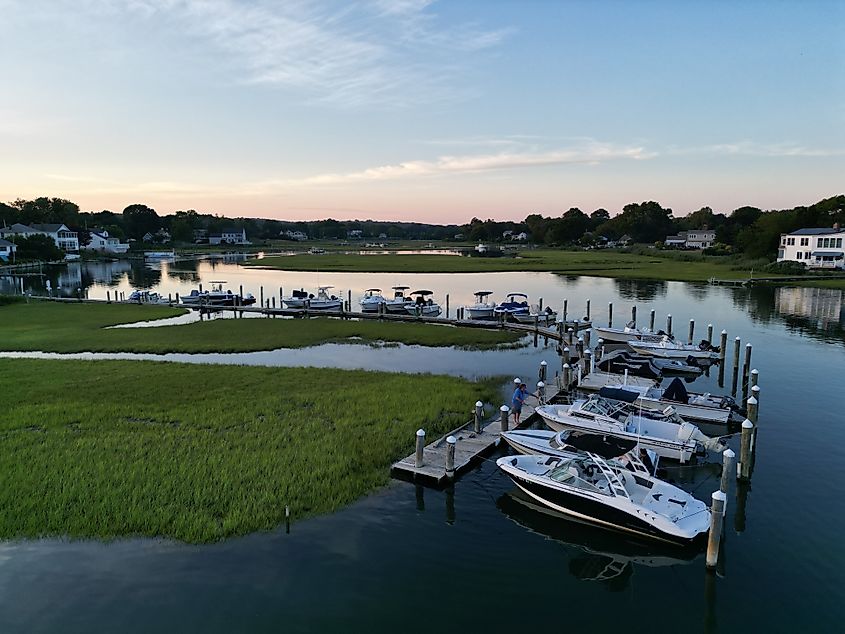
[
  {"x": 389, "y": 52},
  {"x": 752, "y": 148}
]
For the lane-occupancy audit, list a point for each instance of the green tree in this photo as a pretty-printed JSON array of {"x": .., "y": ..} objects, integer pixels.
[
  {"x": 47, "y": 210},
  {"x": 139, "y": 219},
  {"x": 37, "y": 247}
]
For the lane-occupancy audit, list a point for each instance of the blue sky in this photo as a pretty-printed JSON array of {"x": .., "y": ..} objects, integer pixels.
[{"x": 417, "y": 110}]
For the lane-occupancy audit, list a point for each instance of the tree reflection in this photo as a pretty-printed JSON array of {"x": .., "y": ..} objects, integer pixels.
[{"x": 640, "y": 290}]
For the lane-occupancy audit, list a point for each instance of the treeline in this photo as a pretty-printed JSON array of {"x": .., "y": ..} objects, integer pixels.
[{"x": 746, "y": 230}]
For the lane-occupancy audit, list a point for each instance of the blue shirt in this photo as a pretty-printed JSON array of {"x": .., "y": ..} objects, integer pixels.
[{"x": 518, "y": 397}]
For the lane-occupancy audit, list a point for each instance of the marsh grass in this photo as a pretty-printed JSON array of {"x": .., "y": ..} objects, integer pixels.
[
  {"x": 71, "y": 327},
  {"x": 198, "y": 453}
]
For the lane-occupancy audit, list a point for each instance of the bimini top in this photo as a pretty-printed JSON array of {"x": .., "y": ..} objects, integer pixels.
[
  {"x": 619, "y": 394},
  {"x": 422, "y": 293},
  {"x": 483, "y": 293},
  {"x": 373, "y": 290},
  {"x": 324, "y": 288},
  {"x": 517, "y": 295},
  {"x": 400, "y": 288},
  {"x": 604, "y": 446}
]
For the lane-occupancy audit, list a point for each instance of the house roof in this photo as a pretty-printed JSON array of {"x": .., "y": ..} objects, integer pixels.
[
  {"x": 19, "y": 228},
  {"x": 51, "y": 227},
  {"x": 6, "y": 243},
  {"x": 815, "y": 231}
]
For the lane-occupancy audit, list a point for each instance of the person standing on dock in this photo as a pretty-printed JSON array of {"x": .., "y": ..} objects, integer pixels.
[{"x": 517, "y": 401}]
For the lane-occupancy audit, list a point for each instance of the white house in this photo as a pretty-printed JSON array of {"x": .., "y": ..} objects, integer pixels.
[
  {"x": 294, "y": 235},
  {"x": 815, "y": 247},
  {"x": 102, "y": 242},
  {"x": 7, "y": 250},
  {"x": 678, "y": 241},
  {"x": 229, "y": 236},
  {"x": 700, "y": 238}
]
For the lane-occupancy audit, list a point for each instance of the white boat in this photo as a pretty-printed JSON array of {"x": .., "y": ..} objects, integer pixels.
[
  {"x": 670, "y": 437},
  {"x": 482, "y": 308},
  {"x": 372, "y": 300},
  {"x": 423, "y": 305},
  {"x": 316, "y": 251},
  {"x": 322, "y": 301},
  {"x": 296, "y": 299},
  {"x": 516, "y": 303},
  {"x": 399, "y": 300},
  {"x": 567, "y": 443},
  {"x": 147, "y": 297},
  {"x": 670, "y": 349},
  {"x": 590, "y": 488},
  {"x": 542, "y": 317},
  {"x": 629, "y": 333},
  {"x": 216, "y": 297},
  {"x": 159, "y": 255},
  {"x": 689, "y": 406}
]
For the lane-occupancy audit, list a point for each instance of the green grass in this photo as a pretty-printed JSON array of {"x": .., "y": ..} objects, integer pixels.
[
  {"x": 72, "y": 327},
  {"x": 198, "y": 453}
]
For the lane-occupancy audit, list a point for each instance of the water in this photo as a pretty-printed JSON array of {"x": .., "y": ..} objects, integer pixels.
[{"x": 476, "y": 559}]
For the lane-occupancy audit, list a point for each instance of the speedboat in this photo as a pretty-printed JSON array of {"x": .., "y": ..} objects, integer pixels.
[
  {"x": 590, "y": 488},
  {"x": 372, "y": 300},
  {"x": 629, "y": 333},
  {"x": 517, "y": 303},
  {"x": 621, "y": 360},
  {"x": 666, "y": 433},
  {"x": 542, "y": 317},
  {"x": 399, "y": 301},
  {"x": 324, "y": 301},
  {"x": 217, "y": 297},
  {"x": 481, "y": 309},
  {"x": 296, "y": 299},
  {"x": 567, "y": 443},
  {"x": 688, "y": 405},
  {"x": 423, "y": 305},
  {"x": 147, "y": 297},
  {"x": 668, "y": 348}
]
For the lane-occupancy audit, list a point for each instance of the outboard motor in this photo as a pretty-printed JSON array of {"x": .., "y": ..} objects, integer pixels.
[{"x": 688, "y": 431}]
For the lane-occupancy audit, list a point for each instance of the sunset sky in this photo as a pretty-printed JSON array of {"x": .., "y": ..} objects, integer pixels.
[{"x": 419, "y": 110}]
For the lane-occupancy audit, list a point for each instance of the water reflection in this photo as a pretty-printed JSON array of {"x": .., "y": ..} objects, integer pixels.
[{"x": 640, "y": 290}]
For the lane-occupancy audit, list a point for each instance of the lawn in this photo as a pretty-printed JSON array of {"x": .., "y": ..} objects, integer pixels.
[
  {"x": 72, "y": 327},
  {"x": 199, "y": 453}
]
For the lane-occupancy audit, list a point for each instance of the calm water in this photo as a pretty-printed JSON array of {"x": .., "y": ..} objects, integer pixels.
[{"x": 477, "y": 558}]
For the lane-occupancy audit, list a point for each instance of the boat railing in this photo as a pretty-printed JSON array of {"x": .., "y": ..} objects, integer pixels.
[{"x": 615, "y": 484}]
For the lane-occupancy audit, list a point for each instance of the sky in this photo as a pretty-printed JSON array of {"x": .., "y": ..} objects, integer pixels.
[{"x": 432, "y": 111}]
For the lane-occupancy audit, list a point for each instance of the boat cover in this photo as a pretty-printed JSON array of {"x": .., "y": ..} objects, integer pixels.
[
  {"x": 676, "y": 392},
  {"x": 604, "y": 446},
  {"x": 619, "y": 394}
]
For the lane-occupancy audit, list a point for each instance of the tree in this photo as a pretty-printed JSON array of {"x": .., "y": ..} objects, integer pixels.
[
  {"x": 45, "y": 210},
  {"x": 598, "y": 217},
  {"x": 569, "y": 227},
  {"x": 139, "y": 220},
  {"x": 183, "y": 224},
  {"x": 37, "y": 247},
  {"x": 644, "y": 222}
]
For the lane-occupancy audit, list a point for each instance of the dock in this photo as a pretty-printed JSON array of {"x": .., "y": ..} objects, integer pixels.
[{"x": 594, "y": 381}]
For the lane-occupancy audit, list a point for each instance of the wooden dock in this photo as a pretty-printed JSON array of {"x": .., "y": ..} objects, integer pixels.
[
  {"x": 471, "y": 446},
  {"x": 594, "y": 381}
]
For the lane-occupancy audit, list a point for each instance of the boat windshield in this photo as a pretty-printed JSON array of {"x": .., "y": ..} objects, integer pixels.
[
  {"x": 598, "y": 407},
  {"x": 581, "y": 473}
]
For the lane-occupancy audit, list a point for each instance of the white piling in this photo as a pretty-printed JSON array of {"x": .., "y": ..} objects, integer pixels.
[
  {"x": 418, "y": 458},
  {"x": 669, "y": 324},
  {"x": 691, "y": 334},
  {"x": 651, "y": 320},
  {"x": 479, "y": 416},
  {"x": 728, "y": 456},
  {"x": 450, "y": 456},
  {"x": 543, "y": 370},
  {"x": 541, "y": 392},
  {"x": 751, "y": 409},
  {"x": 714, "y": 536},
  {"x": 504, "y": 411},
  {"x": 743, "y": 467}
]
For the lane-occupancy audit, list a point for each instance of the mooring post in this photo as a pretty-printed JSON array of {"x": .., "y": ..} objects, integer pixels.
[
  {"x": 691, "y": 331},
  {"x": 536, "y": 324},
  {"x": 571, "y": 335},
  {"x": 588, "y": 362},
  {"x": 479, "y": 416},
  {"x": 281, "y": 297},
  {"x": 755, "y": 392},
  {"x": 717, "y": 514},
  {"x": 287, "y": 519},
  {"x": 418, "y": 458},
  {"x": 177, "y": 298},
  {"x": 200, "y": 287},
  {"x": 504, "y": 411},
  {"x": 565, "y": 355},
  {"x": 710, "y": 334},
  {"x": 541, "y": 392},
  {"x": 737, "y": 344},
  {"x": 588, "y": 310},
  {"x": 170, "y": 299},
  {"x": 728, "y": 456},
  {"x": 651, "y": 314},
  {"x": 634, "y": 315},
  {"x": 565, "y": 307},
  {"x": 262, "y": 297},
  {"x": 273, "y": 302},
  {"x": 751, "y": 409},
  {"x": 447, "y": 305},
  {"x": 744, "y": 464},
  {"x": 450, "y": 457},
  {"x": 567, "y": 377},
  {"x": 543, "y": 369},
  {"x": 579, "y": 348},
  {"x": 746, "y": 371},
  {"x": 587, "y": 339},
  {"x": 108, "y": 297},
  {"x": 610, "y": 314},
  {"x": 669, "y": 325}
]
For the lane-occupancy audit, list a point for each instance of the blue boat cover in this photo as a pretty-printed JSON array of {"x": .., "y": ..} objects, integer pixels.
[{"x": 619, "y": 394}]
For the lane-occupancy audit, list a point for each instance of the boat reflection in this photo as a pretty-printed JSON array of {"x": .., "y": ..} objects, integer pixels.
[{"x": 598, "y": 555}]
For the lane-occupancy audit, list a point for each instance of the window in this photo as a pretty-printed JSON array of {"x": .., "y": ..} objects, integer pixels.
[
  {"x": 818, "y": 242},
  {"x": 838, "y": 243},
  {"x": 800, "y": 255},
  {"x": 805, "y": 242},
  {"x": 790, "y": 241}
]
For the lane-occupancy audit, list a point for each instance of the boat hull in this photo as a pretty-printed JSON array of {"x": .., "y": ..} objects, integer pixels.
[
  {"x": 672, "y": 353},
  {"x": 480, "y": 313}
]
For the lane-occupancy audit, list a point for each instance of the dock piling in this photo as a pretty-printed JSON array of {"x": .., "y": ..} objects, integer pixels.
[
  {"x": 669, "y": 325},
  {"x": 479, "y": 416},
  {"x": 710, "y": 334},
  {"x": 262, "y": 297},
  {"x": 541, "y": 304},
  {"x": 651, "y": 315},
  {"x": 570, "y": 335},
  {"x": 565, "y": 307},
  {"x": 565, "y": 355},
  {"x": 447, "y": 305},
  {"x": 743, "y": 467},
  {"x": 588, "y": 310},
  {"x": 541, "y": 392},
  {"x": 755, "y": 392},
  {"x": 567, "y": 377},
  {"x": 751, "y": 409},
  {"x": 587, "y": 339},
  {"x": 543, "y": 370},
  {"x": 610, "y": 314},
  {"x": 588, "y": 362},
  {"x": 717, "y": 514},
  {"x": 450, "y": 457},
  {"x": 728, "y": 456},
  {"x": 418, "y": 458},
  {"x": 737, "y": 344},
  {"x": 746, "y": 371},
  {"x": 691, "y": 333},
  {"x": 108, "y": 297},
  {"x": 634, "y": 315},
  {"x": 504, "y": 412}
]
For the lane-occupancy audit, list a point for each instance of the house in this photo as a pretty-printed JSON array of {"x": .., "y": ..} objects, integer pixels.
[
  {"x": 64, "y": 238},
  {"x": 102, "y": 242},
  {"x": 17, "y": 229},
  {"x": 677, "y": 241},
  {"x": 229, "y": 235},
  {"x": 162, "y": 236},
  {"x": 148, "y": 237},
  {"x": 382, "y": 236},
  {"x": 507, "y": 235},
  {"x": 624, "y": 241},
  {"x": 7, "y": 250},
  {"x": 700, "y": 238},
  {"x": 522, "y": 236},
  {"x": 200, "y": 235},
  {"x": 814, "y": 247},
  {"x": 355, "y": 234},
  {"x": 293, "y": 235}
]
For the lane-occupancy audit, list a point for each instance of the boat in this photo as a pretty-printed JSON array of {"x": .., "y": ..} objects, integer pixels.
[
  {"x": 516, "y": 303},
  {"x": 296, "y": 299},
  {"x": 159, "y": 255},
  {"x": 534, "y": 314},
  {"x": 147, "y": 297},
  {"x": 372, "y": 300},
  {"x": 689, "y": 406},
  {"x": 324, "y": 301},
  {"x": 217, "y": 297},
  {"x": 592, "y": 489},
  {"x": 624, "y": 361},
  {"x": 629, "y": 333},
  {"x": 666, "y": 433},
  {"x": 422, "y": 305},
  {"x": 399, "y": 301},
  {"x": 482, "y": 308},
  {"x": 668, "y": 348},
  {"x": 316, "y": 251},
  {"x": 568, "y": 442}
]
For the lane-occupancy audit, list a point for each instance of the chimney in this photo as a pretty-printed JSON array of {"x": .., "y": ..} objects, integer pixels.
[{"x": 836, "y": 226}]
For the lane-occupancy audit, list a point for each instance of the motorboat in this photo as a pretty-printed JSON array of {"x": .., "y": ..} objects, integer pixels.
[
  {"x": 482, "y": 308},
  {"x": 296, "y": 299},
  {"x": 516, "y": 303},
  {"x": 620, "y": 361},
  {"x": 593, "y": 489},
  {"x": 147, "y": 297},
  {"x": 399, "y": 301},
  {"x": 372, "y": 300},
  {"x": 568, "y": 442},
  {"x": 629, "y": 333},
  {"x": 689, "y": 405},
  {"x": 322, "y": 301},
  {"x": 534, "y": 314},
  {"x": 665, "y": 433},
  {"x": 668, "y": 348},
  {"x": 216, "y": 297},
  {"x": 422, "y": 305},
  {"x": 316, "y": 251},
  {"x": 159, "y": 255}
]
